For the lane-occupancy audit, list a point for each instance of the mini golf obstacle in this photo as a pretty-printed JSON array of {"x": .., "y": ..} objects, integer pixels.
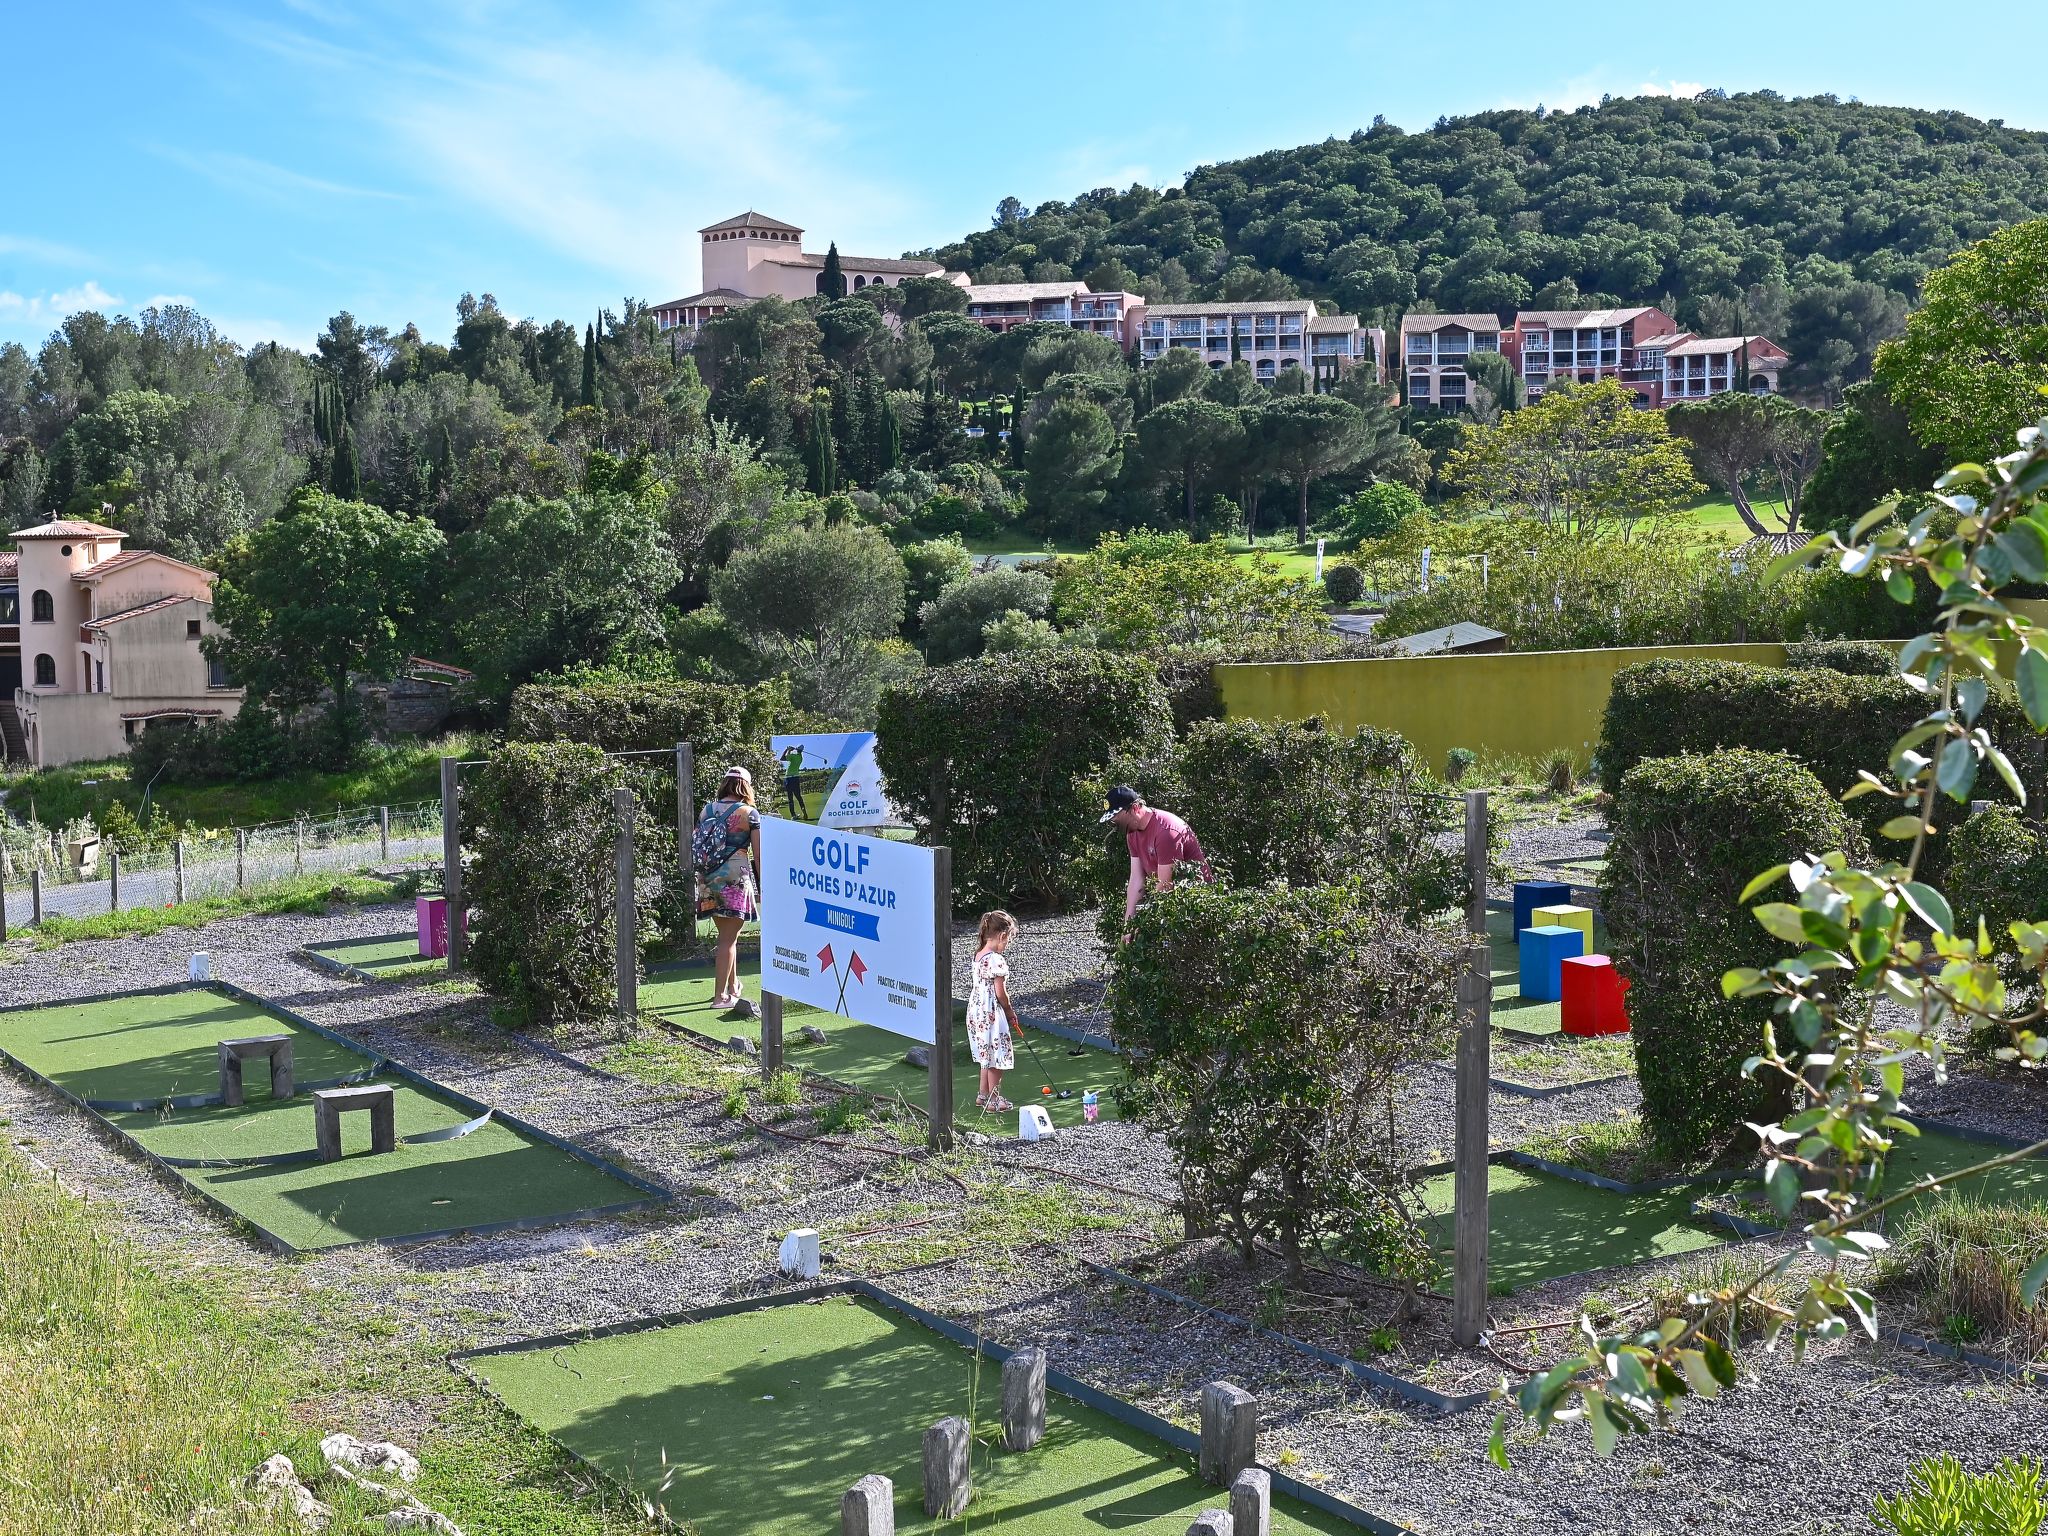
[
  {"x": 163, "y": 1069},
  {"x": 763, "y": 1417}
]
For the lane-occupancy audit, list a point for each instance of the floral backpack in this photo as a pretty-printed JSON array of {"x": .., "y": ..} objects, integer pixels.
[{"x": 713, "y": 843}]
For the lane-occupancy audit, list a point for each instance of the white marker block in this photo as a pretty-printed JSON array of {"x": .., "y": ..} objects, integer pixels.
[
  {"x": 199, "y": 968},
  {"x": 1034, "y": 1124},
  {"x": 799, "y": 1255}
]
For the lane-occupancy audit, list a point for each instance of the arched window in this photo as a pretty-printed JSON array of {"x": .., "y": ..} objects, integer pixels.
[
  {"x": 46, "y": 670},
  {"x": 860, "y": 282},
  {"x": 40, "y": 609}
]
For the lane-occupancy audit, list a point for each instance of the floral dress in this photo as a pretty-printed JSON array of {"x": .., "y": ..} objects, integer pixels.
[
  {"x": 728, "y": 886},
  {"x": 988, "y": 1028}
]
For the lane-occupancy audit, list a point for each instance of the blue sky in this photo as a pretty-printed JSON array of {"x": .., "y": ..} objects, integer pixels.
[{"x": 272, "y": 163}]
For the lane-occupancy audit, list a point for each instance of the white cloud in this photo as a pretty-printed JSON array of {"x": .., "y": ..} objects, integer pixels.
[
  {"x": 1586, "y": 91},
  {"x": 1683, "y": 89},
  {"x": 29, "y": 309},
  {"x": 245, "y": 173},
  {"x": 165, "y": 300}
]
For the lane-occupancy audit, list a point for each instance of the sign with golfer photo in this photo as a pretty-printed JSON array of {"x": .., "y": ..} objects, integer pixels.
[
  {"x": 846, "y": 926},
  {"x": 856, "y": 797}
]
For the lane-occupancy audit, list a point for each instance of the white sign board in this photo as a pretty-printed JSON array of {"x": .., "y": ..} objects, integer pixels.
[
  {"x": 846, "y": 926},
  {"x": 856, "y": 798}
]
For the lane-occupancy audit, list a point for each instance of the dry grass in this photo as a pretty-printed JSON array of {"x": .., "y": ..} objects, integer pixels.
[{"x": 1960, "y": 1260}]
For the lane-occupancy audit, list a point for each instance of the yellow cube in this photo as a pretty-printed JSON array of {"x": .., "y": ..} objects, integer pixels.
[{"x": 1580, "y": 918}]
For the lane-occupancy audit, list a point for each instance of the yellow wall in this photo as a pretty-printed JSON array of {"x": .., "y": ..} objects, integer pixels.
[{"x": 1525, "y": 703}]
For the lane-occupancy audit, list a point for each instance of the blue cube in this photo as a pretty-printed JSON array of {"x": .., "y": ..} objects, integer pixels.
[
  {"x": 1544, "y": 952},
  {"x": 1531, "y": 894}
]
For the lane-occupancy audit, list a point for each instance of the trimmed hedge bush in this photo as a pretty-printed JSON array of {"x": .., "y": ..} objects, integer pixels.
[
  {"x": 1002, "y": 758},
  {"x": 1998, "y": 870},
  {"x": 1858, "y": 658},
  {"x": 1343, "y": 582},
  {"x": 1832, "y": 722},
  {"x": 1689, "y": 832},
  {"x": 725, "y": 723},
  {"x": 1262, "y": 1030}
]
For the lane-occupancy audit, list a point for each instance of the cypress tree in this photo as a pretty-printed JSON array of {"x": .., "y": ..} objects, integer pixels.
[
  {"x": 833, "y": 283},
  {"x": 444, "y": 461},
  {"x": 348, "y": 474},
  {"x": 889, "y": 443},
  {"x": 1017, "y": 428},
  {"x": 589, "y": 365},
  {"x": 820, "y": 464}
]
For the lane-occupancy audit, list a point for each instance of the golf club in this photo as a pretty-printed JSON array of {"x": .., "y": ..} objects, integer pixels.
[{"x": 1063, "y": 1093}]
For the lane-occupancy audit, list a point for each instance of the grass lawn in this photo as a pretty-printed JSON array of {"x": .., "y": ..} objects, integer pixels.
[
  {"x": 143, "y": 1389},
  {"x": 755, "y": 1424},
  {"x": 1540, "y": 1226},
  {"x": 389, "y": 775},
  {"x": 871, "y": 1059},
  {"x": 162, "y": 1045}
]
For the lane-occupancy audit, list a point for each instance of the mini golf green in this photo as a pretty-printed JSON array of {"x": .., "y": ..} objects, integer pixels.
[
  {"x": 1933, "y": 1153},
  {"x": 1512, "y": 1012},
  {"x": 1540, "y": 1226},
  {"x": 754, "y": 1424},
  {"x": 162, "y": 1045},
  {"x": 871, "y": 1059},
  {"x": 375, "y": 957}
]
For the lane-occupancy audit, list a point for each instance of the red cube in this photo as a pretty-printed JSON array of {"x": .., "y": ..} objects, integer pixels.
[{"x": 1592, "y": 1002}]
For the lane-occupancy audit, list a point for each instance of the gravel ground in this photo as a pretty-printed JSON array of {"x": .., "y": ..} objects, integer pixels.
[{"x": 1868, "y": 1410}]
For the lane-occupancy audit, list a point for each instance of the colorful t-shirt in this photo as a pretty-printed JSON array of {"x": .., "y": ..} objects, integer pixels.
[
  {"x": 729, "y": 884},
  {"x": 1163, "y": 842}
]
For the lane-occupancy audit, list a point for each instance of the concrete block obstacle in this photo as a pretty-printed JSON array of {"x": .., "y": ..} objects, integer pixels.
[
  {"x": 868, "y": 1508},
  {"x": 948, "y": 1483},
  {"x": 1230, "y": 1432},
  {"x": 1531, "y": 894},
  {"x": 275, "y": 1049},
  {"x": 1565, "y": 915},
  {"x": 1544, "y": 951},
  {"x": 330, "y": 1104},
  {"x": 799, "y": 1255},
  {"x": 1593, "y": 996},
  {"x": 1023, "y": 1399},
  {"x": 1251, "y": 1503},
  {"x": 1211, "y": 1522}
]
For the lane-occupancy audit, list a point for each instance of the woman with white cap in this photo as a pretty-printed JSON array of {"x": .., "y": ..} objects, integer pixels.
[{"x": 727, "y": 850}]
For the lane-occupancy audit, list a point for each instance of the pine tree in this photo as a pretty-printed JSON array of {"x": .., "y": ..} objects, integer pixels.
[
  {"x": 889, "y": 441},
  {"x": 348, "y": 474},
  {"x": 833, "y": 283},
  {"x": 589, "y": 365}
]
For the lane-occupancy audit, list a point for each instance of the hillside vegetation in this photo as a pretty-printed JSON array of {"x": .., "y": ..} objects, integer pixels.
[{"x": 1809, "y": 220}]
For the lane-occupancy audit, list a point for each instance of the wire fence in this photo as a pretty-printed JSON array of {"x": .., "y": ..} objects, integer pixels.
[{"x": 87, "y": 880}]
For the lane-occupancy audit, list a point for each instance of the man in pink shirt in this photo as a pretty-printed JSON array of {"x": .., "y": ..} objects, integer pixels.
[{"x": 1157, "y": 840}]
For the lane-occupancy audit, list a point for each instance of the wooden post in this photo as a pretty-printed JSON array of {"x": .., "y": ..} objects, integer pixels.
[
  {"x": 241, "y": 859},
  {"x": 1474, "y": 1068},
  {"x": 35, "y": 894},
  {"x": 625, "y": 919},
  {"x": 686, "y": 824},
  {"x": 451, "y": 859},
  {"x": 178, "y": 870},
  {"x": 941, "y": 1065},
  {"x": 383, "y": 834},
  {"x": 3, "y": 901},
  {"x": 771, "y": 1035},
  {"x": 298, "y": 848},
  {"x": 113, "y": 882}
]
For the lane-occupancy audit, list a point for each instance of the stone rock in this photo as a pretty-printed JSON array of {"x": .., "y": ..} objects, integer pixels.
[
  {"x": 918, "y": 1056},
  {"x": 812, "y": 1033},
  {"x": 1023, "y": 1399},
  {"x": 378, "y": 1456},
  {"x": 1230, "y": 1432},
  {"x": 1211, "y": 1522},
  {"x": 948, "y": 1484},
  {"x": 278, "y": 1489},
  {"x": 868, "y": 1508},
  {"x": 1251, "y": 1503},
  {"x": 417, "y": 1517},
  {"x": 743, "y": 1045}
]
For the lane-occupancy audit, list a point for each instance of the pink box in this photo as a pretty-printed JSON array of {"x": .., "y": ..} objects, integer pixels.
[{"x": 431, "y": 912}]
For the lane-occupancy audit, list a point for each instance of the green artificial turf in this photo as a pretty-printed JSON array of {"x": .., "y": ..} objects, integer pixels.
[
  {"x": 1933, "y": 1153},
  {"x": 756, "y": 1423},
  {"x": 162, "y": 1045},
  {"x": 1513, "y": 1013},
  {"x": 1540, "y": 1226},
  {"x": 862, "y": 1056},
  {"x": 398, "y": 952}
]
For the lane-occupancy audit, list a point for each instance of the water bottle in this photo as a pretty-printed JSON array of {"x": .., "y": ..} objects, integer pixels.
[{"x": 1090, "y": 1108}]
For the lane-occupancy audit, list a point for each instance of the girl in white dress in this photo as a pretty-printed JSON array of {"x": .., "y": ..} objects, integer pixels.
[{"x": 991, "y": 1020}]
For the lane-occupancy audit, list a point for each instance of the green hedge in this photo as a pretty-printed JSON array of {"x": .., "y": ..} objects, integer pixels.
[
  {"x": 1263, "y": 1030},
  {"x": 1998, "y": 870},
  {"x": 1832, "y": 722},
  {"x": 1689, "y": 832},
  {"x": 1858, "y": 658},
  {"x": 725, "y": 723},
  {"x": 1002, "y": 759}
]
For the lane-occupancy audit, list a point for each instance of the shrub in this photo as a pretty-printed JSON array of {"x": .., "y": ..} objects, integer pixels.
[
  {"x": 1833, "y": 723},
  {"x": 1689, "y": 833},
  {"x": 1998, "y": 870},
  {"x": 1263, "y": 1030},
  {"x": 724, "y": 723},
  {"x": 1343, "y": 583},
  {"x": 951, "y": 625},
  {"x": 537, "y": 829},
  {"x": 1858, "y": 658},
  {"x": 1963, "y": 1260},
  {"x": 1378, "y": 510},
  {"x": 1002, "y": 758},
  {"x": 1945, "y": 1500}
]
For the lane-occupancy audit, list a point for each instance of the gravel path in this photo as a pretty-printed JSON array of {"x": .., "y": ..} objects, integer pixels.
[{"x": 1870, "y": 1411}]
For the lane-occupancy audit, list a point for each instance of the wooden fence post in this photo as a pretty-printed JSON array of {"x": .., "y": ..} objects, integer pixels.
[
  {"x": 451, "y": 859},
  {"x": 1474, "y": 1069},
  {"x": 771, "y": 1035},
  {"x": 383, "y": 834},
  {"x": 624, "y": 916},
  {"x": 686, "y": 824},
  {"x": 178, "y": 870},
  {"x": 941, "y": 1064},
  {"x": 113, "y": 882},
  {"x": 241, "y": 860},
  {"x": 35, "y": 895}
]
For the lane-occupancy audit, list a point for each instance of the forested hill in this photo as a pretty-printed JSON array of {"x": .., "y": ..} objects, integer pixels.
[{"x": 1811, "y": 220}]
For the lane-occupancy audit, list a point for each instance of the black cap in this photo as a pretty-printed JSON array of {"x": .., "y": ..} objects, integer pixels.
[{"x": 1121, "y": 798}]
